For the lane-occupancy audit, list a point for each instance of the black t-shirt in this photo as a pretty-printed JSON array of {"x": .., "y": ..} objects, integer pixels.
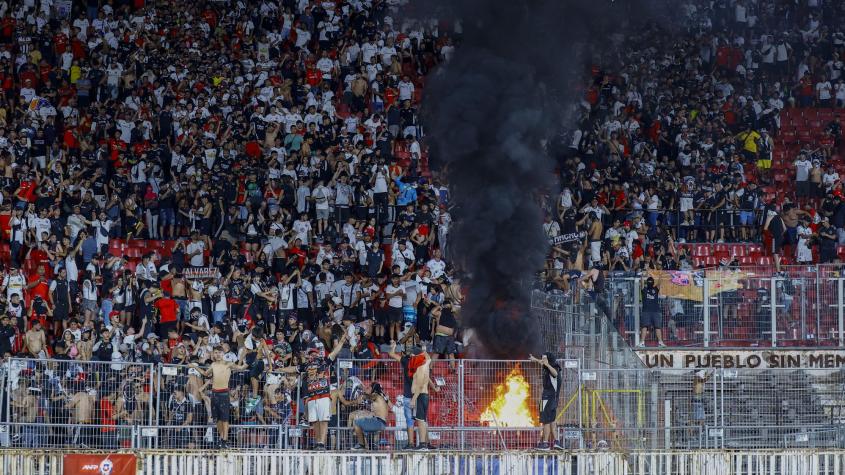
[
  {"x": 650, "y": 299},
  {"x": 447, "y": 319},
  {"x": 178, "y": 410},
  {"x": 551, "y": 384},
  {"x": 838, "y": 215},
  {"x": 825, "y": 242},
  {"x": 6, "y": 335}
]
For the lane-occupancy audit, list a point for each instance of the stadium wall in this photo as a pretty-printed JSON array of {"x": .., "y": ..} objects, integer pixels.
[{"x": 525, "y": 463}]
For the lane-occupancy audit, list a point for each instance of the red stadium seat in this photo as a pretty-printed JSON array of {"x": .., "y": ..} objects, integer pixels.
[
  {"x": 701, "y": 250},
  {"x": 738, "y": 250},
  {"x": 133, "y": 252}
]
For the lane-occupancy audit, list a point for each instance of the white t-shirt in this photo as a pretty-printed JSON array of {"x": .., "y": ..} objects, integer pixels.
[
  {"x": 194, "y": 246},
  {"x": 824, "y": 89},
  {"x": 220, "y": 304},
  {"x": 302, "y": 228},
  {"x": 396, "y": 300},
  {"x": 436, "y": 266},
  {"x": 321, "y": 196},
  {"x": 15, "y": 285},
  {"x": 406, "y": 91},
  {"x": 802, "y": 169}
]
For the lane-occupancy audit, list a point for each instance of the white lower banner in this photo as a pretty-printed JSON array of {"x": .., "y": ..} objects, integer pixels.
[{"x": 743, "y": 359}]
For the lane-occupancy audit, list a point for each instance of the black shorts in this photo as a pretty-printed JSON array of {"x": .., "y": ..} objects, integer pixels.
[
  {"x": 395, "y": 315},
  {"x": 380, "y": 316},
  {"x": 220, "y": 406},
  {"x": 421, "y": 412},
  {"x": 651, "y": 320},
  {"x": 61, "y": 312},
  {"x": 256, "y": 368},
  {"x": 777, "y": 245},
  {"x": 548, "y": 410},
  {"x": 164, "y": 329}
]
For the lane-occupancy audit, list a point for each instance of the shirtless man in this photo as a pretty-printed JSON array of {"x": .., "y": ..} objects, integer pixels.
[
  {"x": 36, "y": 341},
  {"x": 82, "y": 406},
  {"x": 180, "y": 295},
  {"x": 595, "y": 234},
  {"x": 25, "y": 403},
  {"x": 220, "y": 372},
  {"x": 421, "y": 366},
  {"x": 374, "y": 420}
]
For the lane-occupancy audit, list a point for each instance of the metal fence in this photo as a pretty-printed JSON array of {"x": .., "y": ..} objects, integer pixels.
[
  {"x": 795, "y": 308},
  {"x": 108, "y": 406},
  {"x": 578, "y": 327},
  {"x": 56, "y": 403}
]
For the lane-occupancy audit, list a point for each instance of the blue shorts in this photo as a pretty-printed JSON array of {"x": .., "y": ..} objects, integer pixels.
[
  {"x": 746, "y": 218},
  {"x": 698, "y": 409},
  {"x": 370, "y": 424},
  {"x": 408, "y": 412},
  {"x": 184, "y": 309},
  {"x": 166, "y": 216}
]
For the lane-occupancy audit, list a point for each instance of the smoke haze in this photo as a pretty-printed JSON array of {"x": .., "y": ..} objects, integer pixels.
[{"x": 487, "y": 112}]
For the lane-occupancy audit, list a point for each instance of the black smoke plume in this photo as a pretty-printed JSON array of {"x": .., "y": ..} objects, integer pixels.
[{"x": 487, "y": 112}]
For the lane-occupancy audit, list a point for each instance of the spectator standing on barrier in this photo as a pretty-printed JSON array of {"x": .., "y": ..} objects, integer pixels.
[
  {"x": 420, "y": 367},
  {"x": 777, "y": 231},
  {"x": 827, "y": 241},
  {"x": 552, "y": 383},
  {"x": 407, "y": 382},
  {"x": 374, "y": 420},
  {"x": 593, "y": 281},
  {"x": 317, "y": 383},
  {"x": 651, "y": 316},
  {"x": 699, "y": 379},
  {"x": 220, "y": 373},
  {"x": 444, "y": 324}
]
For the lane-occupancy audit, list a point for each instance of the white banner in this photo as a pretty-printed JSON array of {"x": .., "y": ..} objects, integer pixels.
[
  {"x": 200, "y": 272},
  {"x": 568, "y": 237},
  {"x": 743, "y": 359}
]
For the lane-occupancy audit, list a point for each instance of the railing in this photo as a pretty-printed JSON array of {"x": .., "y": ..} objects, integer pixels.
[
  {"x": 703, "y": 308},
  {"x": 619, "y": 408},
  {"x": 576, "y": 326},
  {"x": 52, "y": 403}
]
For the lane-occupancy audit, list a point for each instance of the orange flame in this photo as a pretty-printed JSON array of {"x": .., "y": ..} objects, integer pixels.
[{"x": 510, "y": 408}]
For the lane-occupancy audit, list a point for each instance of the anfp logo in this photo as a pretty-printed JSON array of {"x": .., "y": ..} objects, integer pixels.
[{"x": 106, "y": 467}]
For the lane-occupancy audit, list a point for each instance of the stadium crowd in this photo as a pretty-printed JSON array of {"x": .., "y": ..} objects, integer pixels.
[
  {"x": 676, "y": 141},
  {"x": 214, "y": 181},
  {"x": 268, "y": 156}
]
